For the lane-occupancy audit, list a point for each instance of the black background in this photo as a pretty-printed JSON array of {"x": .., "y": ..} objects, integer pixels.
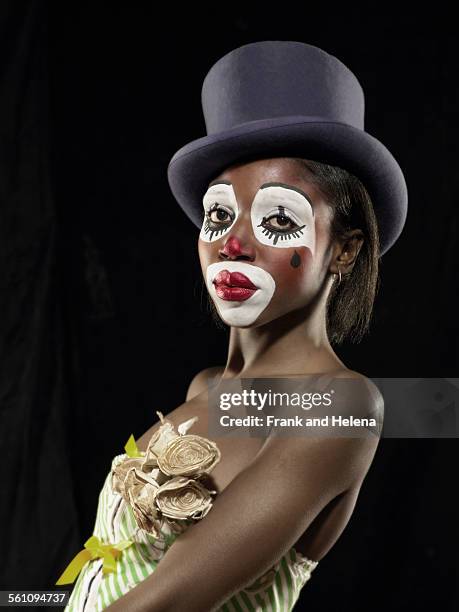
[{"x": 95, "y": 100}]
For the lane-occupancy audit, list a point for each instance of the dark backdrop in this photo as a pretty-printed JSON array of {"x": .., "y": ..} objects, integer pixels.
[{"x": 95, "y": 100}]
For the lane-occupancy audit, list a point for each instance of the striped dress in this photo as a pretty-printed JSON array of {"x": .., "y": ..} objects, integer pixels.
[{"x": 276, "y": 590}]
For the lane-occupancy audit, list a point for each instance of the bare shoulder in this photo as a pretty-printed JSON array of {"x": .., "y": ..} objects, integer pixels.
[
  {"x": 370, "y": 401},
  {"x": 348, "y": 441},
  {"x": 361, "y": 399},
  {"x": 199, "y": 382}
]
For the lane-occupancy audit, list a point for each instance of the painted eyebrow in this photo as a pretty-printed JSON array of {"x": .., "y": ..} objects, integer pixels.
[{"x": 292, "y": 187}]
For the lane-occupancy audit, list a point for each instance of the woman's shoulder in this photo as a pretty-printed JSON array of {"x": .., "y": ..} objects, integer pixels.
[
  {"x": 200, "y": 380},
  {"x": 360, "y": 387}
]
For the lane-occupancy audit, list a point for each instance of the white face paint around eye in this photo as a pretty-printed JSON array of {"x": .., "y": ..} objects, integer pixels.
[
  {"x": 282, "y": 217},
  {"x": 240, "y": 291},
  {"x": 220, "y": 211}
]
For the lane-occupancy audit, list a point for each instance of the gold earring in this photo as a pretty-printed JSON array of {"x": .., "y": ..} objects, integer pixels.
[{"x": 339, "y": 272}]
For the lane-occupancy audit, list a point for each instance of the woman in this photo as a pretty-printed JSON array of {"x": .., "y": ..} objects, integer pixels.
[{"x": 289, "y": 248}]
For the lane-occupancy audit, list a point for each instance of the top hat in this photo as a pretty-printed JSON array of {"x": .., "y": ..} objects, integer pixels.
[{"x": 287, "y": 98}]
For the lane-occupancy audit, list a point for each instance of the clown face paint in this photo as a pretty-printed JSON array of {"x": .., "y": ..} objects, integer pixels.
[
  {"x": 240, "y": 291},
  {"x": 283, "y": 217},
  {"x": 220, "y": 211}
]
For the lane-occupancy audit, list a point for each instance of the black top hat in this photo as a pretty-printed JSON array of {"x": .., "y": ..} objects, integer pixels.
[{"x": 287, "y": 98}]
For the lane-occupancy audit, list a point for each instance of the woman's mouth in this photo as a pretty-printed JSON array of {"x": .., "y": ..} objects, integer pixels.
[{"x": 233, "y": 286}]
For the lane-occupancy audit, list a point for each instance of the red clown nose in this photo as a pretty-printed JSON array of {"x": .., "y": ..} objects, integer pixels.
[{"x": 232, "y": 247}]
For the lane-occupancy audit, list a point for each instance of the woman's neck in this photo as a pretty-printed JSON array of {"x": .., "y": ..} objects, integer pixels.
[{"x": 295, "y": 344}]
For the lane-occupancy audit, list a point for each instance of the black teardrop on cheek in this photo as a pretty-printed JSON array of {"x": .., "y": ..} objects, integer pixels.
[{"x": 296, "y": 260}]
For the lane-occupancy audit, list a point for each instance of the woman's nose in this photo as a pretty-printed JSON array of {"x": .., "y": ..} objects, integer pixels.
[{"x": 234, "y": 248}]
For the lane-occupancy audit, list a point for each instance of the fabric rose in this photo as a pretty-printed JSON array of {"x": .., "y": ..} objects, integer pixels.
[
  {"x": 183, "y": 498},
  {"x": 189, "y": 455},
  {"x": 120, "y": 471},
  {"x": 166, "y": 486},
  {"x": 158, "y": 444},
  {"x": 140, "y": 492}
]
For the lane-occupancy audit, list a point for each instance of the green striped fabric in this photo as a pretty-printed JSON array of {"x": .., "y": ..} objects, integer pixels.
[{"x": 276, "y": 591}]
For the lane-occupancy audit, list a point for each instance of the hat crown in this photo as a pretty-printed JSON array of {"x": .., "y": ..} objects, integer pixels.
[{"x": 274, "y": 78}]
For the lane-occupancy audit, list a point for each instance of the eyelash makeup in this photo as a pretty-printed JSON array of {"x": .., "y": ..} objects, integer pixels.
[
  {"x": 294, "y": 217},
  {"x": 281, "y": 219},
  {"x": 219, "y": 196},
  {"x": 216, "y": 229},
  {"x": 275, "y": 234}
]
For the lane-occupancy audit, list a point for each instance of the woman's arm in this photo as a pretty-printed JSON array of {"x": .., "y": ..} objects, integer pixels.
[{"x": 253, "y": 522}]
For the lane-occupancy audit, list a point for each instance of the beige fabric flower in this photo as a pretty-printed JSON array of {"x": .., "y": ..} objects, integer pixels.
[
  {"x": 120, "y": 471},
  {"x": 158, "y": 442},
  {"x": 140, "y": 493},
  {"x": 160, "y": 486},
  {"x": 189, "y": 455},
  {"x": 183, "y": 498}
]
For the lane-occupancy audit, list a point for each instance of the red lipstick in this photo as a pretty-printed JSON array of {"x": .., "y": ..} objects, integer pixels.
[{"x": 233, "y": 286}]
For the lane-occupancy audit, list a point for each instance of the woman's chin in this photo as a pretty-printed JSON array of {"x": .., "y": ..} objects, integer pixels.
[{"x": 240, "y": 323}]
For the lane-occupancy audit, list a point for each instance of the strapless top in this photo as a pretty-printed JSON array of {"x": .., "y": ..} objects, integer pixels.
[{"x": 277, "y": 590}]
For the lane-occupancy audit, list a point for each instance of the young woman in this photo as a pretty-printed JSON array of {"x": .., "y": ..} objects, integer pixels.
[{"x": 289, "y": 248}]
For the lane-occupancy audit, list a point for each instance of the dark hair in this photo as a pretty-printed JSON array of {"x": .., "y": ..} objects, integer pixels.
[{"x": 350, "y": 303}]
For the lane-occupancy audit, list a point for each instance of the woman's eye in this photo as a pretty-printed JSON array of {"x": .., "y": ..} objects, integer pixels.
[
  {"x": 279, "y": 222},
  {"x": 218, "y": 215},
  {"x": 218, "y": 219}
]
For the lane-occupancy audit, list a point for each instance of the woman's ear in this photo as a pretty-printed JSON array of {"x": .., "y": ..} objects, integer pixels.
[{"x": 345, "y": 252}]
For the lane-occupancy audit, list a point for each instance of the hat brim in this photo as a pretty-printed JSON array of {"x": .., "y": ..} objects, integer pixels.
[{"x": 197, "y": 163}]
